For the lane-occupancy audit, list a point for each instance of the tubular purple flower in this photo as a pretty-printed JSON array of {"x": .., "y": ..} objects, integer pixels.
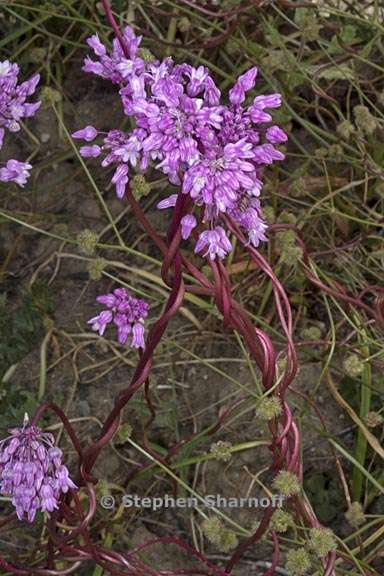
[
  {"x": 100, "y": 322},
  {"x": 138, "y": 336},
  {"x": 276, "y": 135},
  {"x": 267, "y": 101},
  {"x": 197, "y": 78},
  {"x": 266, "y": 154},
  {"x": 90, "y": 151},
  {"x": 88, "y": 134},
  {"x": 120, "y": 179},
  {"x": 97, "y": 46},
  {"x": 258, "y": 116},
  {"x": 169, "y": 202},
  {"x": 244, "y": 83},
  {"x": 188, "y": 223}
]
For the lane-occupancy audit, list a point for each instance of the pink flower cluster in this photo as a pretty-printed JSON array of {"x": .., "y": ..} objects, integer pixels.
[
  {"x": 32, "y": 472},
  {"x": 126, "y": 312},
  {"x": 214, "y": 151},
  {"x": 13, "y": 107}
]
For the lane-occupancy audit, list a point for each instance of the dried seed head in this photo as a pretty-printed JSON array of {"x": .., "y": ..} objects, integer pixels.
[
  {"x": 221, "y": 450},
  {"x": 373, "y": 419},
  {"x": 281, "y": 521},
  {"x": 345, "y": 129},
  {"x": 298, "y": 562},
  {"x": 287, "y": 484},
  {"x": 96, "y": 268},
  {"x": 124, "y": 432},
  {"x": 322, "y": 541},
  {"x": 353, "y": 365},
  {"x": 269, "y": 408},
  {"x": 140, "y": 187},
  {"x": 365, "y": 121},
  {"x": 311, "y": 333},
  {"x": 224, "y": 539},
  {"x": 87, "y": 241},
  {"x": 355, "y": 515}
]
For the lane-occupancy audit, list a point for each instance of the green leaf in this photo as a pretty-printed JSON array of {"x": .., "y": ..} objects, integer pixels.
[{"x": 340, "y": 72}]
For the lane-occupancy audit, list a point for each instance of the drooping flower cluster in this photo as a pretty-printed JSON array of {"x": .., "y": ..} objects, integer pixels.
[
  {"x": 215, "y": 152},
  {"x": 31, "y": 471},
  {"x": 13, "y": 107},
  {"x": 126, "y": 312}
]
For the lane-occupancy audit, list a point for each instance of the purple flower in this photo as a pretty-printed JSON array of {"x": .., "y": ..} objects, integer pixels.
[
  {"x": 90, "y": 151},
  {"x": 120, "y": 148},
  {"x": 13, "y": 108},
  {"x": 115, "y": 66},
  {"x": 31, "y": 471},
  {"x": 197, "y": 79},
  {"x": 268, "y": 101},
  {"x": 188, "y": 223},
  {"x": 126, "y": 312},
  {"x": 138, "y": 336},
  {"x": 214, "y": 152},
  {"x": 276, "y": 135},
  {"x": 216, "y": 242},
  {"x": 15, "y": 171},
  {"x": 244, "y": 83},
  {"x": 100, "y": 322},
  {"x": 169, "y": 202},
  {"x": 248, "y": 216},
  {"x": 266, "y": 154},
  {"x": 13, "y": 96},
  {"x": 120, "y": 179},
  {"x": 88, "y": 134}
]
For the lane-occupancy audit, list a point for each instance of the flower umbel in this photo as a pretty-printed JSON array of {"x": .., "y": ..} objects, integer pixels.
[
  {"x": 126, "y": 312},
  {"x": 31, "y": 471},
  {"x": 214, "y": 151}
]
